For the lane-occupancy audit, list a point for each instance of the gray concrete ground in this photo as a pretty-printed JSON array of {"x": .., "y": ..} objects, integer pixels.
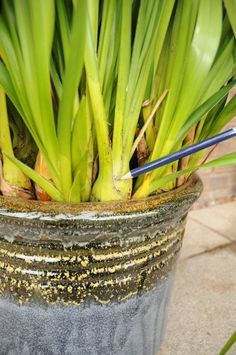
[{"x": 202, "y": 312}]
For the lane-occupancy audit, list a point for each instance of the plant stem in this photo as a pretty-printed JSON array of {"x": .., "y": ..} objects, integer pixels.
[
  {"x": 69, "y": 92},
  {"x": 11, "y": 173},
  {"x": 123, "y": 74}
]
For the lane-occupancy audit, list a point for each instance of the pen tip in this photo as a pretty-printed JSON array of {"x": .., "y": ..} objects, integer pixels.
[{"x": 126, "y": 176}]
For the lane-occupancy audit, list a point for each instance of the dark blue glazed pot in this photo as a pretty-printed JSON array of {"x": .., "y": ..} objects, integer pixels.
[{"x": 89, "y": 278}]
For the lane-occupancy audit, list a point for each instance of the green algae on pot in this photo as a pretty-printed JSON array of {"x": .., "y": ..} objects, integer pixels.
[{"x": 103, "y": 269}]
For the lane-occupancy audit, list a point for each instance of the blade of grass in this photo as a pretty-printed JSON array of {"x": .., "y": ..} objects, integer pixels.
[
  {"x": 224, "y": 117},
  {"x": 73, "y": 70},
  {"x": 231, "y": 11},
  {"x": 64, "y": 25},
  {"x": 109, "y": 12},
  {"x": 219, "y": 73},
  {"x": 228, "y": 345},
  {"x": 176, "y": 68},
  {"x": 132, "y": 112},
  {"x": 123, "y": 74},
  {"x": 97, "y": 103},
  {"x": 11, "y": 173},
  {"x": 203, "y": 109},
  {"x": 175, "y": 72},
  {"x": 19, "y": 55},
  {"x": 82, "y": 151},
  {"x": 199, "y": 60},
  {"x": 43, "y": 19},
  {"x": 51, "y": 190}
]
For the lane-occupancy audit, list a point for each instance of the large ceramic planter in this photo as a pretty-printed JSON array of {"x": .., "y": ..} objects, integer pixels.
[{"x": 89, "y": 278}]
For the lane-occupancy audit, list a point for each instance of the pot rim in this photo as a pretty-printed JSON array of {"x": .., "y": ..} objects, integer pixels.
[{"x": 193, "y": 185}]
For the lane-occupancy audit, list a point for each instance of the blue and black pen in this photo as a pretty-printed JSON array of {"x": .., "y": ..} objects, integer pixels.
[{"x": 180, "y": 154}]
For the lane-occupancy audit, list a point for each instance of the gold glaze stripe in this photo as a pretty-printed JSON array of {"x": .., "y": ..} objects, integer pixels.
[
  {"x": 96, "y": 257},
  {"x": 62, "y": 293},
  {"x": 93, "y": 284},
  {"x": 7, "y": 256},
  {"x": 132, "y": 262},
  {"x": 86, "y": 274}
]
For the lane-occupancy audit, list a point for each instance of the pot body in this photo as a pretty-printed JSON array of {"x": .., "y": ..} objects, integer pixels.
[{"x": 89, "y": 278}]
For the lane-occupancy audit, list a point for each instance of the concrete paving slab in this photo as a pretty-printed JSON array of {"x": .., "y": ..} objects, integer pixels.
[
  {"x": 202, "y": 313},
  {"x": 199, "y": 239},
  {"x": 220, "y": 218}
]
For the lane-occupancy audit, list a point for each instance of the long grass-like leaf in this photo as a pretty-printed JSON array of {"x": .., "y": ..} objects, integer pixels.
[
  {"x": 203, "y": 109},
  {"x": 73, "y": 70},
  {"x": 37, "y": 178},
  {"x": 123, "y": 74},
  {"x": 231, "y": 11},
  {"x": 97, "y": 102}
]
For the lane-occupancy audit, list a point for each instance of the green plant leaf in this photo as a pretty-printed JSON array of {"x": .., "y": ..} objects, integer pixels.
[
  {"x": 195, "y": 117},
  {"x": 82, "y": 150},
  {"x": 231, "y": 11},
  {"x": 228, "y": 345},
  {"x": 73, "y": 70},
  {"x": 51, "y": 190},
  {"x": 123, "y": 75}
]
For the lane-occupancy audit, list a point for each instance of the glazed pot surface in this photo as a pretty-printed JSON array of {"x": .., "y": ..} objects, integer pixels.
[{"x": 89, "y": 278}]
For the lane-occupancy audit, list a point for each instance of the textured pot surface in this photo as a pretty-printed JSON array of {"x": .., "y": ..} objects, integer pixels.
[{"x": 95, "y": 271}]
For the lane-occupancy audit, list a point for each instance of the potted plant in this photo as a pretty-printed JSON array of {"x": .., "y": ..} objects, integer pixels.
[{"x": 88, "y": 90}]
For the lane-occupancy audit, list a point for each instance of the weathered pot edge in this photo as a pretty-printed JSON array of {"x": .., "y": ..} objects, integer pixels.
[{"x": 119, "y": 207}]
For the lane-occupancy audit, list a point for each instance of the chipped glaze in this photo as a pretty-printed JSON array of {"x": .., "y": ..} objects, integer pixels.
[{"x": 72, "y": 253}]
